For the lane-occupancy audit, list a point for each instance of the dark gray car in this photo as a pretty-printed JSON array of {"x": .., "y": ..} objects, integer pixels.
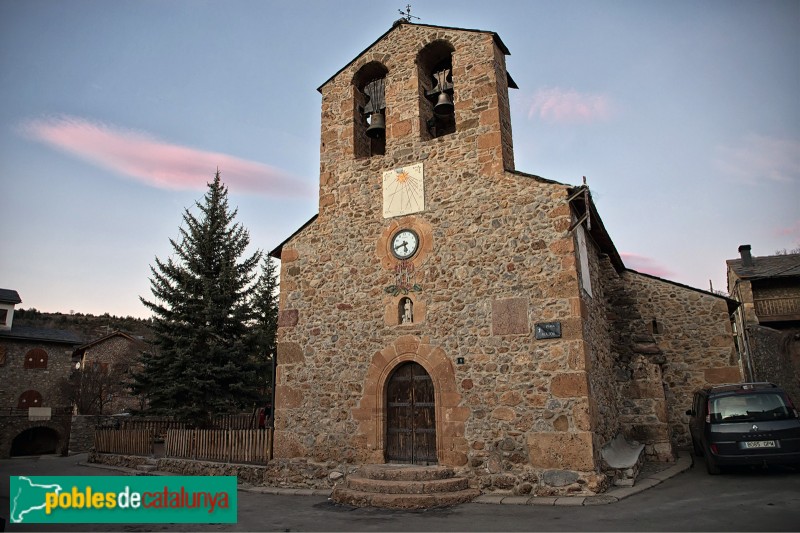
[{"x": 744, "y": 424}]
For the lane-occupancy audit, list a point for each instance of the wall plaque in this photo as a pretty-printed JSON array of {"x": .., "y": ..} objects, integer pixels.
[{"x": 548, "y": 330}]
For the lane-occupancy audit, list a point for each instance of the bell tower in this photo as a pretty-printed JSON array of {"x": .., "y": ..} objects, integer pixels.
[{"x": 419, "y": 94}]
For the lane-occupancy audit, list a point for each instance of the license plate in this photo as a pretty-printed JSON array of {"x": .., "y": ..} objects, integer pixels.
[{"x": 760, "y": 444}]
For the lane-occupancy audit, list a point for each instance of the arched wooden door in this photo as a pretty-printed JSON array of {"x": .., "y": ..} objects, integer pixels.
[{"x": 411, "y": 416}]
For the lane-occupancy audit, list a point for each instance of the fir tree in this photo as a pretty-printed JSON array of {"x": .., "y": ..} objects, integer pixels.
[
  {"x": 202, "y": 364},
  {"x": 265, "y": 324}
]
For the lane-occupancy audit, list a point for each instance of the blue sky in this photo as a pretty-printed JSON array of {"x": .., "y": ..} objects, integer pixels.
[{"x": 684, "y": 116}]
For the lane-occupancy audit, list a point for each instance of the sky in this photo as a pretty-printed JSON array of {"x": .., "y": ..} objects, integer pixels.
[{"x": 684, "y": 116}]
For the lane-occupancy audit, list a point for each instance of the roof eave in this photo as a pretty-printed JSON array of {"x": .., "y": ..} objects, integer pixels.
[
  {"x": 499, "y": 42},
  {"x": 276, "y": 252}
]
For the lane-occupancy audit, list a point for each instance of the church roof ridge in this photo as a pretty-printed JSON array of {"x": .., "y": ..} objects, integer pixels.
[{"x": 402, "y": 22}]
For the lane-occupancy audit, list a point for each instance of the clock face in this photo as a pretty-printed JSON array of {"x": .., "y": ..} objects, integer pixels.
[{"x": 404, "y": 244}]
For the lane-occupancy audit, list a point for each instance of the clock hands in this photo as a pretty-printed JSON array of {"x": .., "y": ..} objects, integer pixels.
[{"x": 404, "y": 245}]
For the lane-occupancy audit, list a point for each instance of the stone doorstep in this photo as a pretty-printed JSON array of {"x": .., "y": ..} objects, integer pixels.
[
  {"x": 391, "y": 472},
  {"x": 363, "y": 484},
  {"x": 402, "y": 501}
]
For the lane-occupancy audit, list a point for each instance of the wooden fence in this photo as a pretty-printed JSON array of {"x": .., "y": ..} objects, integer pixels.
[
  {"x": 160, "y": 425},
  {"x": 124, "y": 441},
  {"x": 230, "y": 445},
  {"x": 240, "y": 421}
]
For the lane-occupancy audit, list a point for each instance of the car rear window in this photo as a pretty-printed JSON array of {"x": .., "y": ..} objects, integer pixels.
[{"x": 749, "y": 408}]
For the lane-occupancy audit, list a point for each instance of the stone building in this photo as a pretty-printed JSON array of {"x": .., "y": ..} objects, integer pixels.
[
  {"x": 767, "y": 323},
  {"x": 444, "y": 308},
  {"x": 110, "y": 359},
  {"x": 34, "y": 410}
]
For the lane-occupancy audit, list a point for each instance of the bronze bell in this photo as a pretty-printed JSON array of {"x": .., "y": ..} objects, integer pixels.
[
  {"x": 377, "y": 126},
  {"x": 444, "y": 105}
]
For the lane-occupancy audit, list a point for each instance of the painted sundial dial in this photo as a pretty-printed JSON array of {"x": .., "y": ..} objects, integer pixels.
[{"x": 403, "y": 191}]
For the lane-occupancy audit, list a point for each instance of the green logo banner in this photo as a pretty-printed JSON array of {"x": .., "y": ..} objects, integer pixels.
[{"x": 122, "y": 499}]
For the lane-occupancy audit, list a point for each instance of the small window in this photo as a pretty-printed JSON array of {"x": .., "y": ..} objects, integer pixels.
[
  {"x": 36, "y": 358},
  {"x": 3, "y": 316},
  {"x": 29, "y": 398}
]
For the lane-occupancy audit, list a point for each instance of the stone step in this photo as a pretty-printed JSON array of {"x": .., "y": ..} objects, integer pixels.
[
  {"x": 358, "y": 498},
  {"x": 391, "y": 472},
  {"x": 364, "y": 484},
  {"x": 393, "y": 486},
  {"x": 146, "y": 467}
]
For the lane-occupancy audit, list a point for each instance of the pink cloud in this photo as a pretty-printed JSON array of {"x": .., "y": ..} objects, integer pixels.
[
  {"x": 646, "y": 265},
  {"x": 157, "y": 163},
  {"x": 792, "y": 231},
  {"x": 568, "y": 106},
  {"x": 757, "y": 158}
]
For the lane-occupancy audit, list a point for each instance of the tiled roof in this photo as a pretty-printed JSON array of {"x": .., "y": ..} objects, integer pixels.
[
  {"x": 769, "y": 266},
  {"x": 7, "y": 296},
  {"x": 27, "y": 333},
  {"x": 136, "y": 341}
]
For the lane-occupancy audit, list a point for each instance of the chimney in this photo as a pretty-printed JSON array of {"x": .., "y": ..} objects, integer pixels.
[{"x": 747, "y": 259}]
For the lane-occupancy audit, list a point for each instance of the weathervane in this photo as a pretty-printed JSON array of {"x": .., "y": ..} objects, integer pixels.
[{"x": 407, "y": 13}]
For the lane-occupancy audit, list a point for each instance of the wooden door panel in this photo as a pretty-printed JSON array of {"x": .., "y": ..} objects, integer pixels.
[{"x": 410, "y": 416}]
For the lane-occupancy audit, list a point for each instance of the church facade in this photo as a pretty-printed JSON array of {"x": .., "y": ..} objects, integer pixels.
[{"x": 444, "y": 308}]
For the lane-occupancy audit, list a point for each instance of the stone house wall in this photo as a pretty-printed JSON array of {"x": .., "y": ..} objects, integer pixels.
[
  {"x": 600, "y": 356},
  {"x": 17, "y": 379},
  {"x": 692, "y": 330},
  {"x": 776, "y": 355},
  {"x": 635, "y": 380},
  {"x": 115, "y": 350}
]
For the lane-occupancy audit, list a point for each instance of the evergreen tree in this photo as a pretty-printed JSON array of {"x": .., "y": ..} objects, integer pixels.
[
  {"x": 265, "y": 324},
  {"x": 202, "y": 362}
]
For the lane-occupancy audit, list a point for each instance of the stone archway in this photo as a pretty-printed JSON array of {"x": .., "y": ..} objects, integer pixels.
[
  {"x": 371, "y": 414},
  {"x": 39, "y": 440}
]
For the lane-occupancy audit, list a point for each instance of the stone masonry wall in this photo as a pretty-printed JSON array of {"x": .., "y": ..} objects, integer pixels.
[
  {"x": 603, "y": 397},
  {"x": 292, "y": 473},
  {"x": 18, "y": 379},
  {"x": 15, "y": 379},
  {"x": 497, "y": 259},
  {"x": 81, "y": 437},
  {"x": 775, "y": 356},
  {"x": 693, "y": 331},
  {"x": 634, "y": 374},
  {"x": 114, "y": 351}
]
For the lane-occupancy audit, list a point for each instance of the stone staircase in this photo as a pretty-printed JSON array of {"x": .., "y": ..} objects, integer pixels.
[
  {"x": 148, "y": 466},
  {"x": 393, "y": 486}
]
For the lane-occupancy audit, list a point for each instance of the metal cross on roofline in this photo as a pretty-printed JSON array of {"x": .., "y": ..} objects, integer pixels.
[{"x": 407, "y": 13}]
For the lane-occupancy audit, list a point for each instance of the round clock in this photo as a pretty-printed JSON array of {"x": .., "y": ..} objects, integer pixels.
[{"x": 404, "y": 244}]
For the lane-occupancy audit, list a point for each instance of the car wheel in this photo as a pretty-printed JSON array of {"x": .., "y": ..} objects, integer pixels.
[{"x": 711, "y": 467}]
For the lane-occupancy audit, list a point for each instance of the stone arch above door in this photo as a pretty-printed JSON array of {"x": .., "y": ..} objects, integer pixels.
[{"x": 451, "y": 446}]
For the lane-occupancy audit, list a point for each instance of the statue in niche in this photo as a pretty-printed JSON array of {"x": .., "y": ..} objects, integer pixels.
[{"x": 407, "y": 316}]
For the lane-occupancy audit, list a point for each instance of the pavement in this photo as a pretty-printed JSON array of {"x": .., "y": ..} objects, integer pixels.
[{"x": 648, "y": 478}]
